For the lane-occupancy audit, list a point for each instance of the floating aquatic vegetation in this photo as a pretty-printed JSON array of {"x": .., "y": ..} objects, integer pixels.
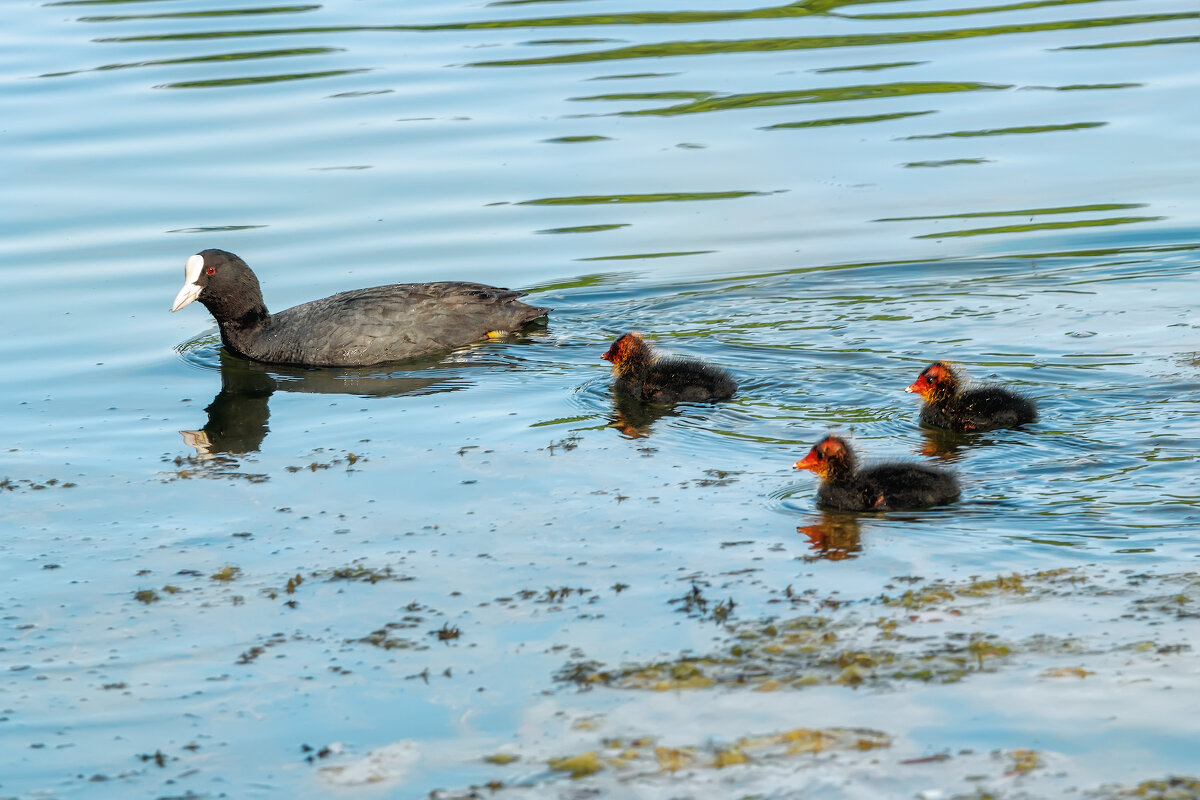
[
  {"x": 642, "y": 758},
  {"x": 382, "y": 765},
  {"x": 349, "y": 459},
  {"x": 362, "y": 573},
  {"x": 251, "y": 655},
  {"x": 23, "y": 484},
  {"x": 1184, "y": 603},
  {"x": 501, "y": 758},
  {"x": 218, "y": 466},
  {"x": 227, "y": 573},
  {"x": 1172, "y": 788},
  {"x": 696, "y": 605},
  {"x": 910, "y": 637},
  {"x": 387, "y": 637},
  {"x": 446, "y": 633}
]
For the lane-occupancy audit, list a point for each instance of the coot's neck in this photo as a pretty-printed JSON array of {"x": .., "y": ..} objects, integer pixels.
[
  {"x": 840, "y": 470},
  {"x": 635, "y": 360},
  {"x": 239, "y": 322}
]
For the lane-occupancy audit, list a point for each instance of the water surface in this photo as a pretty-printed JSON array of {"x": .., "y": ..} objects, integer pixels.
[{"x": 223, "y": 579}]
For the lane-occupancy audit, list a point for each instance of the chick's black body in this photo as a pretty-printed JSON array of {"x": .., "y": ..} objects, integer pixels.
[
  {"x": 646, "y": 377},
  {"x": 885, "y": 487},
  {"x": 949, "y": 406},
  {"x": 356, "y": 328},
  {"x": 889, "y": 487},
  {"x": 983, "y": 409}
]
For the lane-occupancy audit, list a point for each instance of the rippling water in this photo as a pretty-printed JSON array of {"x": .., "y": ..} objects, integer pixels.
[{"x": 229, "y": 580}]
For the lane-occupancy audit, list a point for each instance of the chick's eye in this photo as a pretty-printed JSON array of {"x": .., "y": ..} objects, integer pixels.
[{"x": 211, "y": 270}]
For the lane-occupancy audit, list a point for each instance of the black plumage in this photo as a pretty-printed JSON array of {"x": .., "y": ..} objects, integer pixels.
[
  {"x": 948, "y": 405},
  {"x": 643, "y": 375},
  {"x": 884, "y": 487},
  {"x": 356, "y": 328}
]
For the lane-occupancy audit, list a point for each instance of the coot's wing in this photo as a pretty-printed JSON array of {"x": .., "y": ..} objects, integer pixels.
[{"x": 394, "y": 323}]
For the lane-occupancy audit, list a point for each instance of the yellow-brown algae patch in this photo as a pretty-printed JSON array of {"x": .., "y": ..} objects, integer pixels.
[
  {"x": 1002, "y": 583},
  {"x": 579, "y": 766},
  {"x": 1067, "y": 672},
  {"x": 697, "y": 682},
  {"x": 729, "y": 757},
  {"x": 228, "y": 573},
  {"x": 501, "y": 758},
  {"x": 1024, "y": 761},
  {"x": 1176, "y": 787},
  {"x": 672, "y": 759},
  {"x": 805, "y": 740}
]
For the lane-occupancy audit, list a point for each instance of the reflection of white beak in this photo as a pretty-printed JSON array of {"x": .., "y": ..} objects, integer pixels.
[
  {"x": 191, "y": 282},
  {"x": 198, "y": 440}
]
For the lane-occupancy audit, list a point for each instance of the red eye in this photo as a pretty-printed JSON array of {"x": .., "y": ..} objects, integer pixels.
[{"x": 212, "y": 270}]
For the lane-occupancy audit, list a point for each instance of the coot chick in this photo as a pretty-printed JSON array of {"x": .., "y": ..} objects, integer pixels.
[
  {"x": 644, "y": 376},
  {"x": 885, "y": 487},
  {"x": 949, "y": 406},
  {"x": 351, "y": 329}
]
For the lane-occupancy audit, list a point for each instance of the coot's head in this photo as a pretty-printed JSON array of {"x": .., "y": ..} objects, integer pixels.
[
  {"x": 936, "y": 382},
  {"x": 223, "y": 283},
  {"x": 626, "y": 352},
  {"x": 831, "y": 458}
]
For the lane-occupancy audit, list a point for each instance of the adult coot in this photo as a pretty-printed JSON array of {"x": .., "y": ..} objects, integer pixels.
[
  {"x": 349, "y": 329},
  {"x": 949, "y": 406},
  {"x": 650, "y": 378},
  {"x": 885, "y": 487}
]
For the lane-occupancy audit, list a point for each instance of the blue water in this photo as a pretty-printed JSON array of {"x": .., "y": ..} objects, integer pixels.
[{"x": 822, "y": 198}]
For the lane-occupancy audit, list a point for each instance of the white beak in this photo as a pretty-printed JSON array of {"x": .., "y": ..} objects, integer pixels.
[
  {"x": 191, "y": 282},
  {"x": 187, "y": 294},
  {"x": 908, "y": 389}
]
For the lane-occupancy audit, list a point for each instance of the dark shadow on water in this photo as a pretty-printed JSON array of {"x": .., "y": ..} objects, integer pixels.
[
  {"x": 836, "y": 536},
  {"x": 238, "y": 416}
]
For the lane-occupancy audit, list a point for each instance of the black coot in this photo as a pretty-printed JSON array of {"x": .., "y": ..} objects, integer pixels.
[
  {"x": 351, "y": 329},
  {"x": 884, "y": 487}
]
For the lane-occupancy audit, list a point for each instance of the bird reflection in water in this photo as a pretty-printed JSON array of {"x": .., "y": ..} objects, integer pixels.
[
  {"x": 941, "y": 444},
  {"x": 635, "y": 419},
  {"x": 950, "y": 446},
  {"x": 238, "y": 415},
  {"x": 835, "y": 537}
]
